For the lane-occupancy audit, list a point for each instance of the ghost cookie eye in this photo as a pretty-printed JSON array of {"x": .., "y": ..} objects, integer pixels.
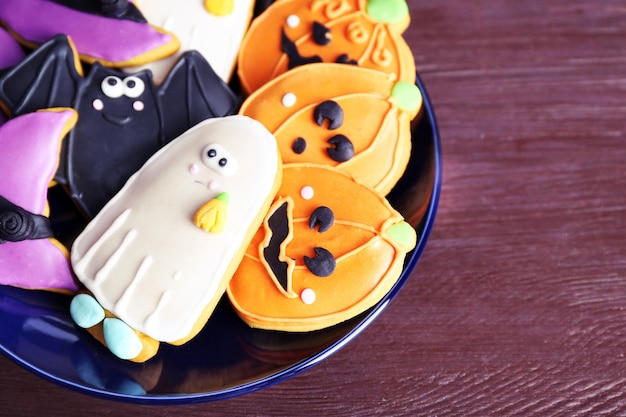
[{"x": 217, "y": 158}]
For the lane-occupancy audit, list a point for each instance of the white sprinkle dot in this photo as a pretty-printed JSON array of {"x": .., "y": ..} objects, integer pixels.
[
  {"x": 138, "y": 105},
  {"x": 308, "y": 296},
  {"x": 307, "y": 192},
  {"x": 293, "y": 21},
  {"x": 289, "y": 99}
]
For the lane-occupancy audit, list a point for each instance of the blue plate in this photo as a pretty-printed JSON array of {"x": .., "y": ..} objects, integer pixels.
[{"x": 227, "y": 358}]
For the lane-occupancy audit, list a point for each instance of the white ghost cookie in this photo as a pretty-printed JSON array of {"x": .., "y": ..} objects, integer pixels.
[
  {"x": 159, "y": 255},
  {"x": 215, "y": 28}
]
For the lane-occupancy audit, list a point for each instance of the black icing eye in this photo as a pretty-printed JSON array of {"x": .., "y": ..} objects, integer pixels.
[
  {"x": 345, "y": 59},
  {"x": 323, "y": 264},
  {"x": 341, "y": 149},
  {"x": 322, "y": 217},
  {"x": 321, "y": 34},
  {"x": 299, "y": 146},
  {"x": 216, "y": 157},
  {"x": 329, "y": 110}
]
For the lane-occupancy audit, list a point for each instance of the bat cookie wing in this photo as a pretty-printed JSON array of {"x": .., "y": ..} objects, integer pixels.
[
  {"x": 48, "y": 77},
  {"x": 191, "y": 93}
]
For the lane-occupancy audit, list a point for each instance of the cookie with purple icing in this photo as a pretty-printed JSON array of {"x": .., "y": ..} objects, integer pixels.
[
  {"x": 111, "y": 32},
  {"x": 10, "y": 51},
  {"x": 30, "y": 256}
]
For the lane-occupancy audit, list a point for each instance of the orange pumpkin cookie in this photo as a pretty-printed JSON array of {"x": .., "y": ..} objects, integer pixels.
[
  {"x": 329, "y": 249},
  {"x": 358, "y": 120},
  {"x": 291, "y": 33}
]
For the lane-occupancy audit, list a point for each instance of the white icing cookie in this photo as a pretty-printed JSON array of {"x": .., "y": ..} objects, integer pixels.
[
  {"x": 142, "y": 256},
  {"x": 214, "y": 28}
]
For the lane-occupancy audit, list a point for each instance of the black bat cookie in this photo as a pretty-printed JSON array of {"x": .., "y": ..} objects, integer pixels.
[{"x": 122, "y": 118}]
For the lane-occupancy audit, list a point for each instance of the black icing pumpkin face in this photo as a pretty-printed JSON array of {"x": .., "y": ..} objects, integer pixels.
[
  {"x": 357, "y": 120},
  {"x": 327, "y": 244},
  {"x": 355, "y": 32}
]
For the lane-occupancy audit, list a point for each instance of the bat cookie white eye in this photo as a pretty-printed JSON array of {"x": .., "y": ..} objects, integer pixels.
[
  {"x": 133, "y": 87},
  {"x": 217, "y": 158},
  {"x": 112, "y": 87}
]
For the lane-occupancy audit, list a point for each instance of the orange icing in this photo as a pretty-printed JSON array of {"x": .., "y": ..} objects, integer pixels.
[
  {"x": 368, "y": 261},
  {"x": 379, "y": 130},
  {"x": 374, "y": 44}
]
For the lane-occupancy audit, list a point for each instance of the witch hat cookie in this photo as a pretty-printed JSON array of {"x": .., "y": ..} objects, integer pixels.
[{"x": 30, "y": 257}]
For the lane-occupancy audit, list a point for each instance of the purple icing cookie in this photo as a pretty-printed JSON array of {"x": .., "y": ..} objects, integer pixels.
[
  {"x": 10, "y": 51},
  {"x": 112, "y": 41},
  {"x": 29, "y": 147}
]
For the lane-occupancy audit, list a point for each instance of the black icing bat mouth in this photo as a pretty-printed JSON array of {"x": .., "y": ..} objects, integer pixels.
[{"x": 117, "y": 120}]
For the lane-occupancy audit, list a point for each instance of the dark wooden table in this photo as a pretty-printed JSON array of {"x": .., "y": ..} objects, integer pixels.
[{"x": 518, "y": 306}]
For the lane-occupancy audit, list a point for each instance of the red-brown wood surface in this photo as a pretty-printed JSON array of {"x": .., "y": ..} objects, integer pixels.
[{"x": 517, "y": 306}]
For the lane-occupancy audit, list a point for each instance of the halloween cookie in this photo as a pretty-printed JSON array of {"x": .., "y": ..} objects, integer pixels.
[
  {"x": 30, "y": 257},
  {"x": 329, "y": 249},
  {"x": 357, "y": 120},
  {"x": 10, "y": 54},
  {"x": 111, "y": 32},
  {"x": 159, "y": 255},
  {"x": 292, "y": 33},
  {"x": 123, "y": 118},
  {"x": 10, "y": 51},
  {"x": 214, "y": 28}
]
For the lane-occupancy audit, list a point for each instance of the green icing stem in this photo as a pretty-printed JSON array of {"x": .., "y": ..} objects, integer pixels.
[
  {"x": 407, "y": 95},
  {"x": 389, "y": 11},
  {"x": 223, "y": 197},
  {"x": 403, "y": 234}
]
